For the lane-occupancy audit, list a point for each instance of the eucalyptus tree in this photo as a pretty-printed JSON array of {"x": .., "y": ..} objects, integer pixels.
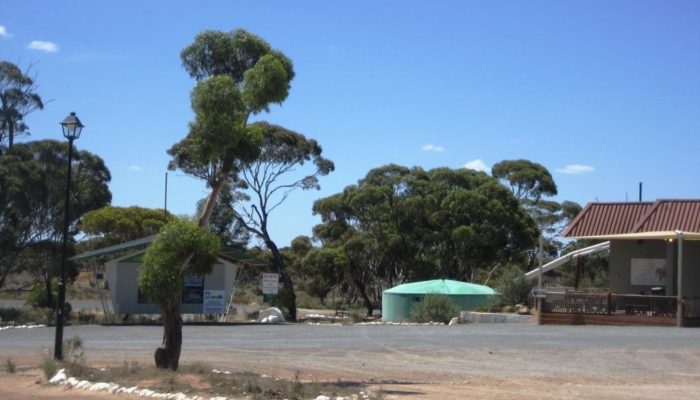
[
  {"x": 238, "y": 75},
  {"x": 527, "y": 180},
  {"x": 32, "y": 190},
  {"x": 18, "y": 98},
  {"x": 399, "y": 224},
  {"x": 181, "y": 249},
  {"x": 532, "y": 184},
  {"x": 112, "y": 225},
  {"x": 269, "y": 180}
]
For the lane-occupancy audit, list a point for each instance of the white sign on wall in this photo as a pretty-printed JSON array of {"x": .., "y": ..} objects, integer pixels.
[
  {"x": 648, "y": 271},
  {"x": 270, "y": 283},
  {"x": 214, "y": 302}
]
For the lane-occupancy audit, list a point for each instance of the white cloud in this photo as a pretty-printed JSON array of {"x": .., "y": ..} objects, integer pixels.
[
  {"x": 576, "y": 169},
  {"x": 477, "y": 165},
  {"x": 3, "y": 32},
  {"x": 432, "y": 147},
  {"x": 41, "y": 45},
  {"x": 135, "y": 168}
]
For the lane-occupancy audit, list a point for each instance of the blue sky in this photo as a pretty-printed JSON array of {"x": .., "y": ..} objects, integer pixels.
[{"x": 604, "y": 94}]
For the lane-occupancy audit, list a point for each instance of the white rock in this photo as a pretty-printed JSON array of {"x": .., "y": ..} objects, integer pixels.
[
  {"x": 454, "y": 321},
  {"x": 100, "y": 386},
  {"x": 272, "y": 311},
  {"x": 130, "y": 390},
  {"x": 322, "y": 397},
  {"x": 83, "y": 385},
  {"x": 72, "y": 381},
  {"x": 59, "y": 377}
]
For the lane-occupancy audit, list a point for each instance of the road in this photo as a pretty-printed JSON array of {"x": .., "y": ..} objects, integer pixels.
[
  {"x": 397, "y": 352},
  {"x": 488, "y": 361}
]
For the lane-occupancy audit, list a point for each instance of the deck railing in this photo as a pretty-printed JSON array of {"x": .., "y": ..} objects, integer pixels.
[{"x": 609, "y": 304}]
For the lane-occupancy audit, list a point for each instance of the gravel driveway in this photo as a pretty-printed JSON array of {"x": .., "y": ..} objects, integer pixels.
[{"x": 610, "y": 358}]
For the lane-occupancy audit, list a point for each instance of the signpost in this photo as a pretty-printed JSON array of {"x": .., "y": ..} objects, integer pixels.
[
  {"x": 270, "y": 286},
  {"x": 214, "y": 302}
]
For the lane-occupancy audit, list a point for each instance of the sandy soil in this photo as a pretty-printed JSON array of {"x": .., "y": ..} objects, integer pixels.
[{"x": 29, "y": 383}]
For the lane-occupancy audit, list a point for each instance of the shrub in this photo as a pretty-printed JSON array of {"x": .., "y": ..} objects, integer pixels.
[
  {"x": 10, "y": 366},
  {"x": 513, "y": 288},
  {"x": 10, "y": 316},
  {"x": 38, "y": 298},
  {"x": 73, "y": 350},
  {"x": 86, "y": 317},
  {"x": 434, "y": 308},
  {"x": 49, "y": 366}
]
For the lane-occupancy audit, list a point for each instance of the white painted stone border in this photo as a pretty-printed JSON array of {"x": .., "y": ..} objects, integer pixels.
[
  {"x": 61, "y": 379},
  {"x": 22, "y": 327}
]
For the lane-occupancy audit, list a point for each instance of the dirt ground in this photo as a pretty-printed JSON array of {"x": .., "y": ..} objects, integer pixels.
[{"x": 29, "y": 383}]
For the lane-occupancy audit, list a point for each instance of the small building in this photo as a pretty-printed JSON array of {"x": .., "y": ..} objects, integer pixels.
[
  {"x": 207, "y": 294},
  {"x": 398, "y": 301},
  {"x": 654, "y": 265}
]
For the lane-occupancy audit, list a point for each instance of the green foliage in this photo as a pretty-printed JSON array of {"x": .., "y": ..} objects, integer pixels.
[
  {"x": 10, "y": 366},
  {"x": 324, "y": 268},
  {"x": 434, "y": 308},
  {"x": 239, "y": 74},
  {"x": 224, "y": 221},
  {"x": 181, "y": 248},
  {"x": 32, "y": 195},
  {"x": 38, "y": 297},
  {"x": 26, "y": 315},
  {"x": 17, "y": 99},
  {"x": 112, "y": 225},
  {"x": 527, "y": 179},
  {"x": 400, "y": 224},
  {"x": 228, "y": 53},
  {"x": 512, "y": 287}
]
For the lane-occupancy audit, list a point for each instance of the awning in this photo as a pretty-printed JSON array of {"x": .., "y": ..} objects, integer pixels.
[
  {"x": 232, "y": 254},
  {"x": 658, "y": 235}
]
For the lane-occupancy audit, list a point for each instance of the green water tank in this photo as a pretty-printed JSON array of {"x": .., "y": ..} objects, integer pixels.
[{"x": 398, "y": 301}]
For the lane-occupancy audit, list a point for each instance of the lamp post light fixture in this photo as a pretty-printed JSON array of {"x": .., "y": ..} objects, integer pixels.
[{"x": 72, "y": 127}]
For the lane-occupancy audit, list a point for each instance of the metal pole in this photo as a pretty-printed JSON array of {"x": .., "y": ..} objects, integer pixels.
[
  {"x": 539, "y": 269},
  {"x": 58, "y": 345},
  {"x": 679, "y": 309}
]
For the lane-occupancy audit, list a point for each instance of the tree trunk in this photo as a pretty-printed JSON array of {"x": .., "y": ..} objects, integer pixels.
[
  {"x": 49, "y": 295},
  {"x": 362, "y": 288},
  {"x": 168, "y": 356},
  {"x": 286, "y": 278},
  {"x": 10, "y": 136},
  {"x": 209, "y": 205}
]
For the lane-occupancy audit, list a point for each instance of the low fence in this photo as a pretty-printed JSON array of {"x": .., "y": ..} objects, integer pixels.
[{"x": 609, "y": 304}]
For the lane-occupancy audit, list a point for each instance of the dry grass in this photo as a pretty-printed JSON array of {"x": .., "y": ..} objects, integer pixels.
[{"x": 199, "y": 379}]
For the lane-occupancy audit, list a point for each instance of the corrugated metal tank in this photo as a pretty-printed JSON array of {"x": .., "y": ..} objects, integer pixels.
[{"x": 398, "y": 301}]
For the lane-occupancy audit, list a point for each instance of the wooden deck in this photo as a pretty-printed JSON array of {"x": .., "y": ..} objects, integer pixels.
[
  {"x": 597, "y": 319},
  {"x": 575, "y": 308}
]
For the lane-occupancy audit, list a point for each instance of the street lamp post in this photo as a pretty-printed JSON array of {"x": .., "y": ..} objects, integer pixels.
[{"x": 72, "y": 127}]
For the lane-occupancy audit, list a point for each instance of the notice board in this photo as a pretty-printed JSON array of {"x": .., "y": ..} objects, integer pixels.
[{"x": 648, "y": 271}]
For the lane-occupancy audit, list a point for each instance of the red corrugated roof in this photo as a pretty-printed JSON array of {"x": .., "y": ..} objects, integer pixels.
[
  {"x": 671, "y": 215},
  {"x": 599, "y": 219}
]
